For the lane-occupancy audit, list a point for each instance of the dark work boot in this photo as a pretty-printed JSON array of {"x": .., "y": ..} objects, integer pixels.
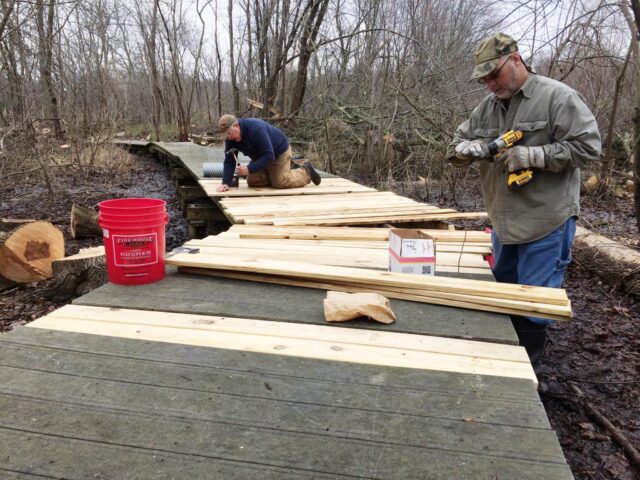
[
  {"x": 313, "y": 175},
  {"x": 531, "y": 336}
]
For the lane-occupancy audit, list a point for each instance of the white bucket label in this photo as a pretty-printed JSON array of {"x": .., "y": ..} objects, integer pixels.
[{"x": 135, "y": 250}]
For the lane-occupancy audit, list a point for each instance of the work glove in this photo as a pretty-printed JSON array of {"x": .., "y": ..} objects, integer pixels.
[
  {"x": 472, "y": 150},
  {"x": 521, "y": 158}
]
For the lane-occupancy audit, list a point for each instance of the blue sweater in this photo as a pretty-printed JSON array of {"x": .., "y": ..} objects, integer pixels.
[{"x": 259, "y": 141}]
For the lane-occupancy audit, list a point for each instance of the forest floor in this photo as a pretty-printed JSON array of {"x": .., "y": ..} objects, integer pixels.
[{"x": 599, "y": 351}]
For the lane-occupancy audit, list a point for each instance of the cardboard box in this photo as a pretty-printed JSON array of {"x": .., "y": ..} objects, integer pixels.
[{"x": 411, "y": 251}]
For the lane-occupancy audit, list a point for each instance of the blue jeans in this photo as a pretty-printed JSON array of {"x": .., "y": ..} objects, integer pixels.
[{"x": 541, "y": 263}]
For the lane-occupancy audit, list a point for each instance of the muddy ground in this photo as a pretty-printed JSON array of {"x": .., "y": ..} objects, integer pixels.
[{"x": 599, "y": 352}]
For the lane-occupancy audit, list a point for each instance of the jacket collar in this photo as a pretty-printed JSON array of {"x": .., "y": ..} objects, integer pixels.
[{"x": 526, "y": 90}]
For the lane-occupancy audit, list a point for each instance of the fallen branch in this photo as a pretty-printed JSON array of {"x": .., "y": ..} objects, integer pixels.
[{"x": 632, "y": 454}]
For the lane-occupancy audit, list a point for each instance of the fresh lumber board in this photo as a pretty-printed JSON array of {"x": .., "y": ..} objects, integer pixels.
[
  {"x": 352, "y": 200},
  {"x": 330, "y": 197},
  {"x": 230, "y": 239},
  {"x": 330, "y": 185},
  {"x": 346, "y": 205},
  {"x": 326, "y": 254},
  {"x": 308, "y": 341},
  {"x": 485, "y": 304},
  {"x": 329, "y": 332},
  {"x": 351, "y": 233},
  {"x": 374, "y": 219},
  {"x": 365, "y": 211},
  {"x": 554, "y": 296}
]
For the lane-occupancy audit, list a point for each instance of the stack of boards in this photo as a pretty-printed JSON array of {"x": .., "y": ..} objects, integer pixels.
[
  {"x": 355, "y": 260},
  {"x": 367, "y": 248},
  {"x": 358, "y": 205}
]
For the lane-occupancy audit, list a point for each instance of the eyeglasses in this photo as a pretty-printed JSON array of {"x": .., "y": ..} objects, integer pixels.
[{"x": 492, "y": 76}]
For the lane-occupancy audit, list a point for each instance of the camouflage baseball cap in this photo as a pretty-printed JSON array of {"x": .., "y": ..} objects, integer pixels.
[
  {"x": 488, "y": 53},
  {"x": 224, "y": 124}
]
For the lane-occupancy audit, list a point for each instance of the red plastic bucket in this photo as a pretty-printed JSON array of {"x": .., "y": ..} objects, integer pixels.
[
  {"x": 133, "y": 206},
  {"x": 133, "y": 233}
]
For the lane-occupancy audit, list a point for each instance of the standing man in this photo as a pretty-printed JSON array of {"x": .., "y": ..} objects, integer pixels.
[
  {"x": 269, "y": 151},
  {"x": 533, "y": 226}
]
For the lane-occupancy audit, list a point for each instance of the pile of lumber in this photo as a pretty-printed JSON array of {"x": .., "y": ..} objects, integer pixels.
[
  {"x": 473, "y": 294},
  {"x": 452, "y": 255},
  {"x": 364, "y": 208}
]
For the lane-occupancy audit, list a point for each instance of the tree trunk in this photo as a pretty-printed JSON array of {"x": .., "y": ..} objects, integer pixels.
[
  {"x": 46, "y": 61},
  {"x": 309, "y": 34},
  {"x": 232, "y": 62},
  {"x": 84, "y": 222},
  {"x": 26, "y": 252},
  {"x": 607, "y": 161},
  {"x": 78, "y": 274},
  {"x": 634, "y": 26},
  {"x": 155, "y": 77}
]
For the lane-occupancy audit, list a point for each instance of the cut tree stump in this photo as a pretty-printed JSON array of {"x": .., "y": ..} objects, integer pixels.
[
  {"x": 84, "y": 222},
  {"x": 77, "y": 274},
  {"x": 616, "y": 264},
  {"x": 26, "y": 252}
]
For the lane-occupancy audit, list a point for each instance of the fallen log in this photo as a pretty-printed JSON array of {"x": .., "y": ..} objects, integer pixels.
[
  {"x": 616, "y": 264},
  {"x": 77, "y": 274},
  {"x": 84, "y": 222},
  {"x": 10, "y": 224},
  {"x": 27, "y": 251}
]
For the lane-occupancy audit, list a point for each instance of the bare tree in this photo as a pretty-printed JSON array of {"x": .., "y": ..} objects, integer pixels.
[
  {"x": 312, "y": 20},
  {"x": 634, "y": 26},
  {"x": 45, "y": 21},
  {"x": 232, "y": 61}
]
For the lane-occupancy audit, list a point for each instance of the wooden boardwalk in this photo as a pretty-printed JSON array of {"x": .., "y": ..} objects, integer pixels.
[
  {"x": 343, "y": 202},
  {"x": 201, "y": 377}
]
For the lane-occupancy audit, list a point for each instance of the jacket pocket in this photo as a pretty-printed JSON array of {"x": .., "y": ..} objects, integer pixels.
[
  {"x": 531, "y": 126},
  {"x": 490, "y": 133}
]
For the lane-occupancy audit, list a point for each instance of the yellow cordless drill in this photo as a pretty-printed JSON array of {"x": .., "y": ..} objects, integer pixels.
[{"x": 498, "y": 147}]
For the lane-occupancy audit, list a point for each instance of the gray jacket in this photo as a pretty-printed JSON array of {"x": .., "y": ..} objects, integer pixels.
[{"x": 552, "y": 115}]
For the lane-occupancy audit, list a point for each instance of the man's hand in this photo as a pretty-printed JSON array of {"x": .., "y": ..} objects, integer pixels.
[
  {"x": 472, "y": 150},
  {"x": 520, "y": 158},
  {"x": 242, "y": 170},
  {"x": 223, "y": 187}
]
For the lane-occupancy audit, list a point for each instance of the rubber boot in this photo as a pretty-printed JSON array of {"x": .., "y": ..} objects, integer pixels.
[{"x": 531, "y": 336}]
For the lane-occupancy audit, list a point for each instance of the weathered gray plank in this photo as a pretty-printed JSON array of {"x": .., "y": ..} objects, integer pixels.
[
  {"x": 277, "y": 447},
  {"x": 50, "y": 456},
  {"x": 11, "y": 475},
  {"x": 234, "y": 409},
  {"x": 280, "y": 389},
  {"x": 198, "y": 294}
]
